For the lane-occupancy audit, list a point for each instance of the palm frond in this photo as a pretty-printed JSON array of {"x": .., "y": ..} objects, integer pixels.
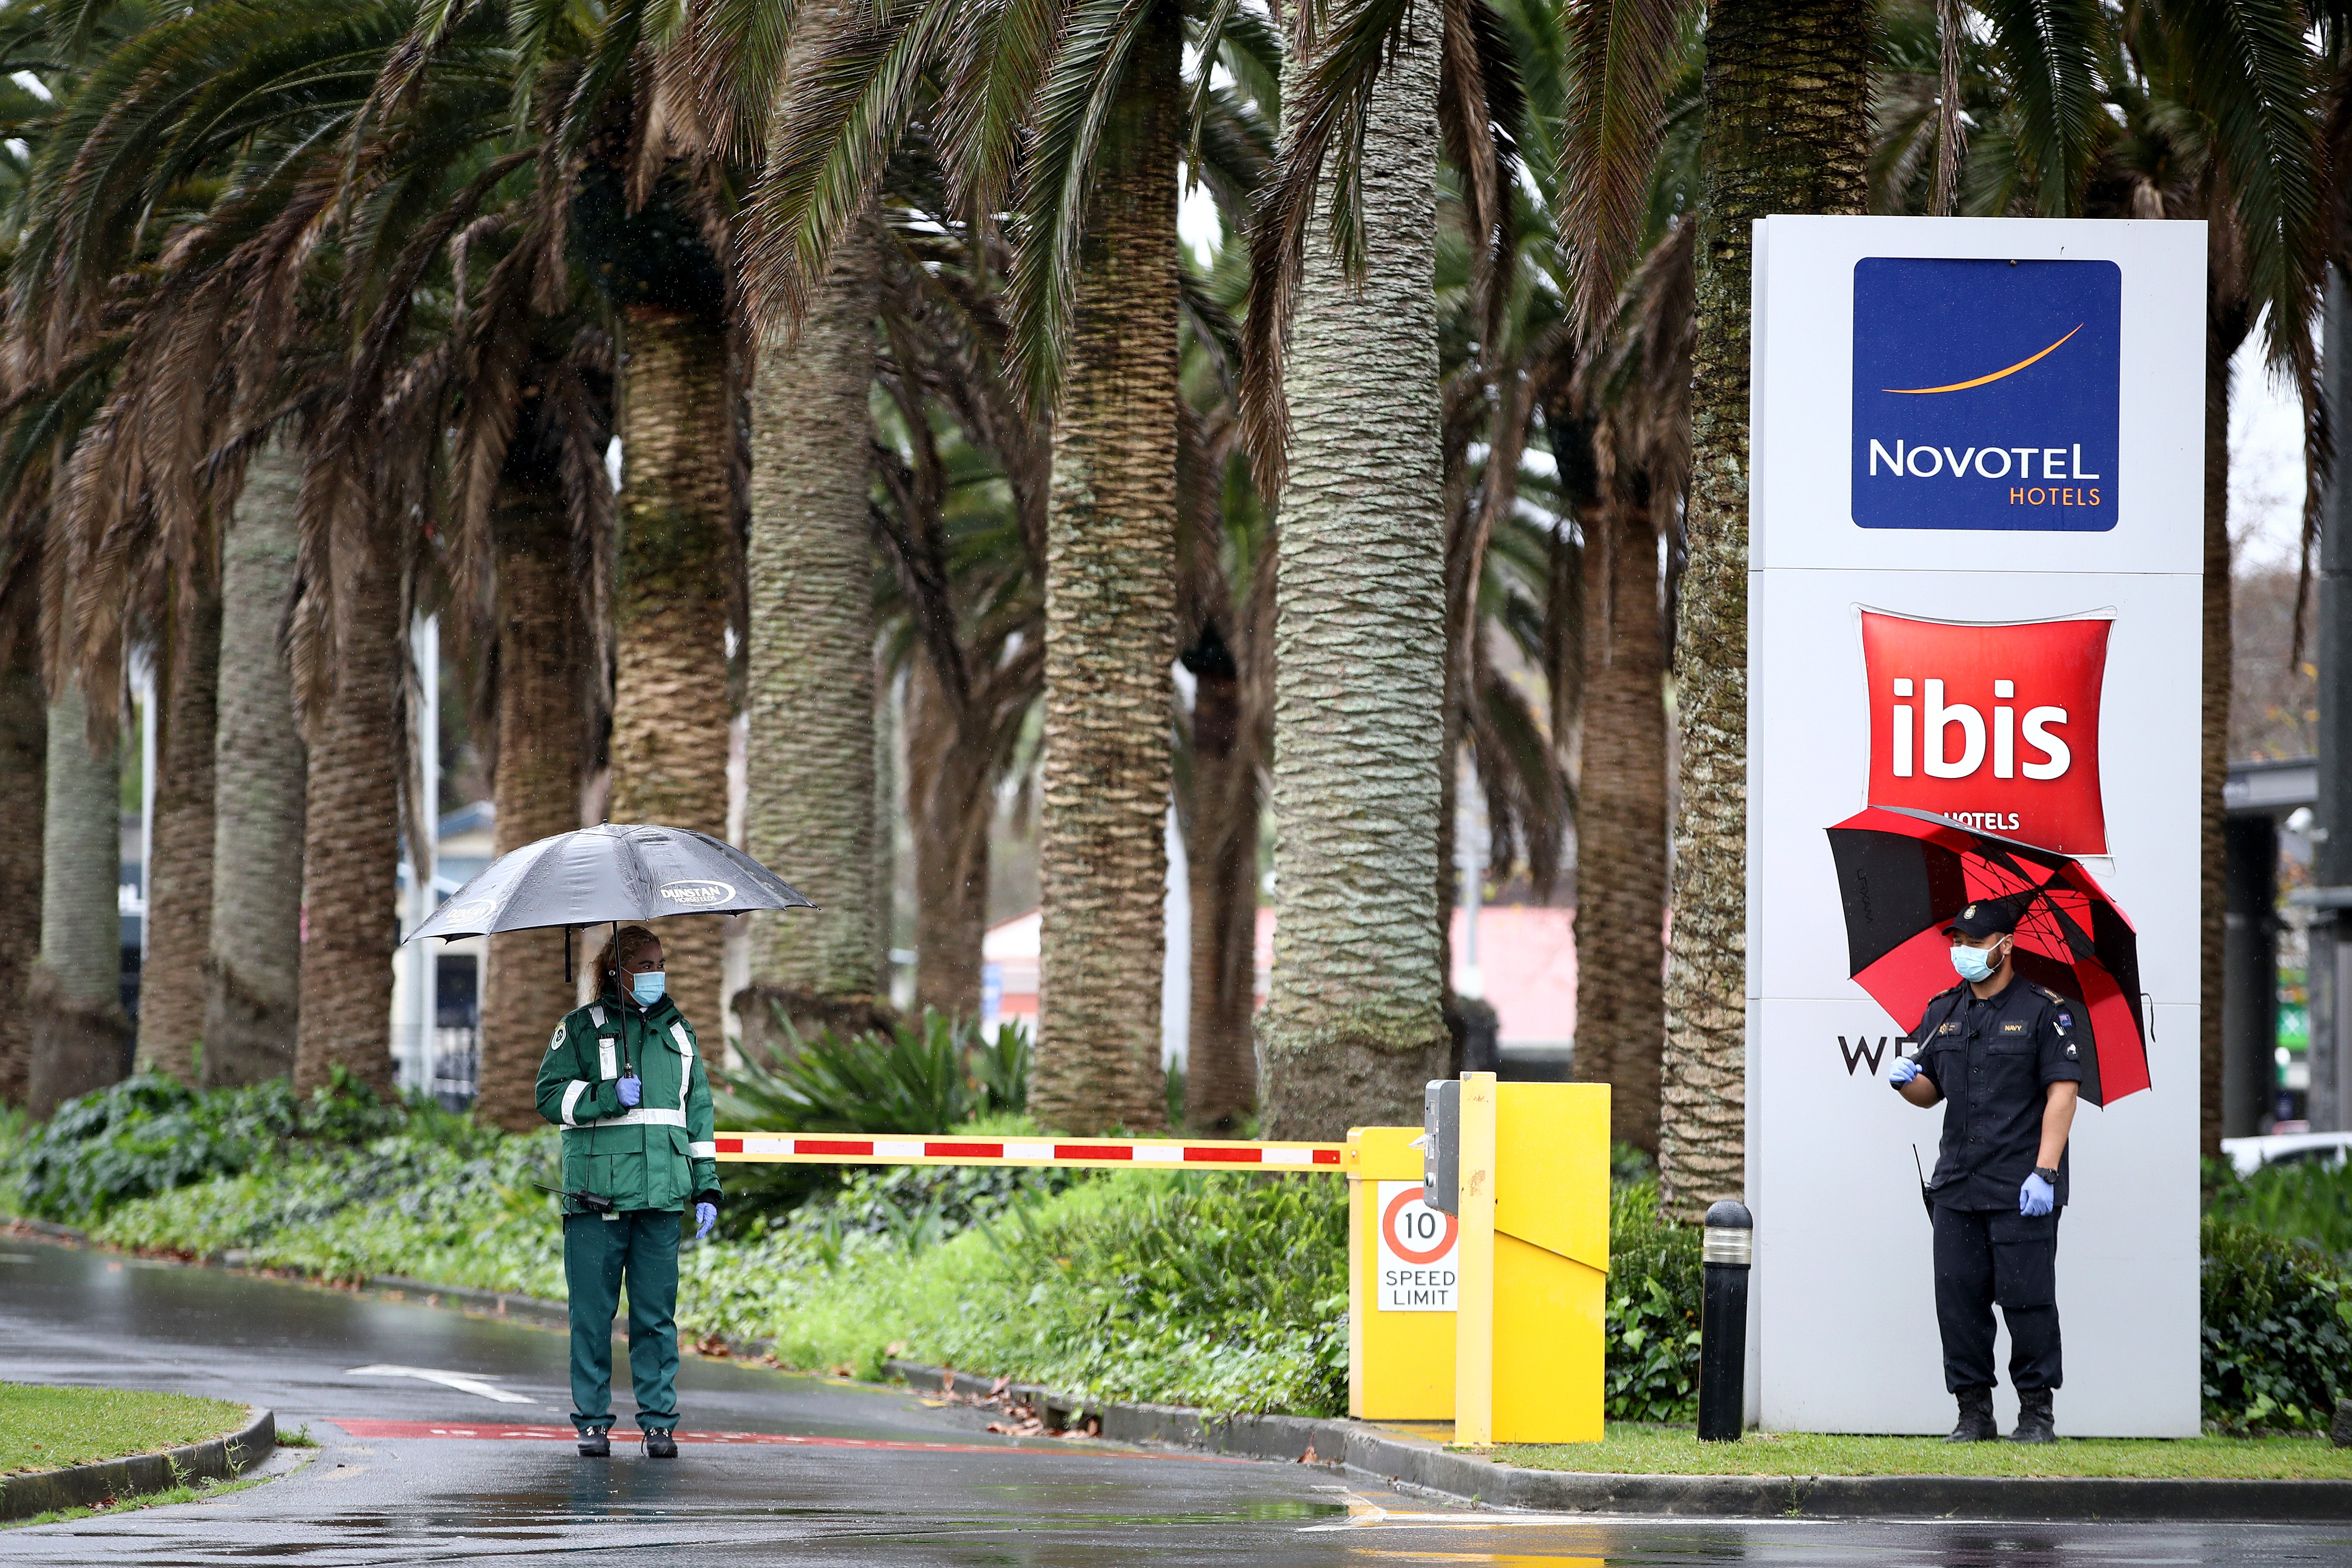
[
  {"x": 2050, "y": 50},
  {"x": 1622, "y": 58},
  {"x": 1089, "y": 82}
]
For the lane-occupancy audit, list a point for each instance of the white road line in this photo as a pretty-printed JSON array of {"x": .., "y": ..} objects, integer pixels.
[{"x": 457, "y": 1381}]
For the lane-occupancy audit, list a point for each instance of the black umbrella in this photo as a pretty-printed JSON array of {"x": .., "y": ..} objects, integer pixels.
[{"x": 615, "y": 872}]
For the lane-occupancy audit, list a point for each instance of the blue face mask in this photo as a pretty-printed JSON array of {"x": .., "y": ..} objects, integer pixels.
[
  {"x": 648, "y": 988},
  {"x": 1975, "y": 964}
]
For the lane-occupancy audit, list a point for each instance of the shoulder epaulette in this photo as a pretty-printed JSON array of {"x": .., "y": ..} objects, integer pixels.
[{"x": 2049, "y": 994}]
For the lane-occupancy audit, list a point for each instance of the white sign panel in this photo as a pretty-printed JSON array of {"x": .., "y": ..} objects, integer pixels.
[
  {"x": 1975, "y": 562},
  {"x": 1418, "y": 1251}
]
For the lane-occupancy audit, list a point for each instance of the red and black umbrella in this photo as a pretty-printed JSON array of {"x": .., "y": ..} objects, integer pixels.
[{"x": 1904, "y": 874}]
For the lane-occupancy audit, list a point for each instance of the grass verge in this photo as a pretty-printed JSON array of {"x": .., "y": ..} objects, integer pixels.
[
  {"x": 44, "y": 1428},
  {"x": 1636, "y": 1448},
  {"x": 199, "y": 1491}
]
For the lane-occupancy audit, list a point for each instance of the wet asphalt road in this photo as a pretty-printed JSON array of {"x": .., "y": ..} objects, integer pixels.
[{"x": 877, "y": 1478}]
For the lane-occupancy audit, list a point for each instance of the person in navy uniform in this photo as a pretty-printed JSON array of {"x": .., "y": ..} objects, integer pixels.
[{"x": 2002, "y": 1055}]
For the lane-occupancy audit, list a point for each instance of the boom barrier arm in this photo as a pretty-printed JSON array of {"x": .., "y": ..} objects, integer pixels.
[{"x": 1091, "y": 1153}]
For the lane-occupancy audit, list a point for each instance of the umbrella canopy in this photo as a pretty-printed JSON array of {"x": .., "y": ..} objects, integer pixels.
[
  {"x": 618, "y": 871},
  {"x": 1904, "y": 874}
]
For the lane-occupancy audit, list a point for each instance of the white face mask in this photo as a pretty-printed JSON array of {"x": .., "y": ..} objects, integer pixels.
[{"x": 1975, "y": 964}]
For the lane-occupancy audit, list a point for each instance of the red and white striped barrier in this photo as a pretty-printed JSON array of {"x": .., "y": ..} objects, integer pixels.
[{"x": 1100, "y": 1153}]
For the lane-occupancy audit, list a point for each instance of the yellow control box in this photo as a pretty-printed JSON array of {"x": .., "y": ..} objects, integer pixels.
[{"x": 1550, "y": 1277}]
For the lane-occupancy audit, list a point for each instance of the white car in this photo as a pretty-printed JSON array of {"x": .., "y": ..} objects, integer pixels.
[{"x": 2250, "y": 1154}]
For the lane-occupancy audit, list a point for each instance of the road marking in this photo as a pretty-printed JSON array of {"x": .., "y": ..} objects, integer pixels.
[
  {"x": 457, "y": 1381},
  {"x": 517, "y": 1433}
]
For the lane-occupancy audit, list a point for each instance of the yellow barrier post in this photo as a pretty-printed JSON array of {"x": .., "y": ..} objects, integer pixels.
[
  {"x": 1473, "y": 1323},
  {"x": 1545, "y": 1268},
  {"x": 1550, "y": 1260},
  {"x": 1400, "y": 1345}
]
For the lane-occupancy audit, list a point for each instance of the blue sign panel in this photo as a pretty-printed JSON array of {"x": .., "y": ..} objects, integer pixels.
[{"x": 1986, "y": 393}]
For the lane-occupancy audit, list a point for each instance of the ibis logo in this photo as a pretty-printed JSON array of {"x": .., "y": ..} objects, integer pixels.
[
  {"x": 1986, "y": 394},
  {"x": 698, "y": 895},
  {"x": 1996, "y": 725}
]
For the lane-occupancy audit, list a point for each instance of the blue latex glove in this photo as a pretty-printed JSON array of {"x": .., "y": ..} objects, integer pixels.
[
  {"x": 706, "y": 1215},
  {"x": 631, "y": 1089},
  {"x": 2037, "y": 1197},
  {"x": 1905, "y": 1068}
]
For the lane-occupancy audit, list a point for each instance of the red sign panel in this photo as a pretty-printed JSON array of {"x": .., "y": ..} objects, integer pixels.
[{"x": 1994, "y": 726}]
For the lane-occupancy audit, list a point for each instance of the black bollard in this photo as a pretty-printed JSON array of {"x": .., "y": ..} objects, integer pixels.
[{"x": 1723, "y": 1322}]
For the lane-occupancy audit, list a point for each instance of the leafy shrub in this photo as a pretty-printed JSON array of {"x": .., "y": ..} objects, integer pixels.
[
  {"x": 932, "y": 1080},
  {"x": 1652, "y": 1321},
  {"x": 151, "y": 1134},
  {"x": 2304, "y": 1200},
  {"x": 1229, "y": 1291},
  {"x": 926, "y": 1079},
  {"x": 2278, "y": 1335}
]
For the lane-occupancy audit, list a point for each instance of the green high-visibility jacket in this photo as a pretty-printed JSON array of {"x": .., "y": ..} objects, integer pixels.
[{"x": 661, "y": 1155}]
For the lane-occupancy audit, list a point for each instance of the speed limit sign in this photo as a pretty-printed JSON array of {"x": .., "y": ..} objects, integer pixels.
[{"x": 1417, "y": 1252}]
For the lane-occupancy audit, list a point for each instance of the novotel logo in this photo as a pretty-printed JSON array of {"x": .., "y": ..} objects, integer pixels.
[{"x": 1986, "y": 394}]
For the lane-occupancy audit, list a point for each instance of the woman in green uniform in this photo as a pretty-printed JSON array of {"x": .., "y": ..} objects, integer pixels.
[{"x": 622, "y": 1080}]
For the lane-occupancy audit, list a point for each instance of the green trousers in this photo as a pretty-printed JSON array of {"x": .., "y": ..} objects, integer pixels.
[{"x": 598, "y": 1252}]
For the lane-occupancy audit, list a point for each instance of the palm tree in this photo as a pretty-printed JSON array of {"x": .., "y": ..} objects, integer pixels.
[
  {"x": 1635, "y": 396},
  {"x": 677, "y": 561},
  {"x": 186, "y": 691},
  {"x": 2184, "y": 111},
  {"x": 547, "y": 516},
  {"x": 964, "y": 474},
  {"x": 24, "y": 769},
  {"x": 251, "y": 111},
  {"x": 80, "y": 1037},
  {"x": 1355, "y": 1021},
  {"x": 1087, "y": 103},
  {"x": 1226, "y": 604},
  {"x": 253, "y": 977},
  {"x": 810, "y": 790}
]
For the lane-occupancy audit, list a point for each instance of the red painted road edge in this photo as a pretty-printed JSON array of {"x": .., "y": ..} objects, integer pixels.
[{"x": 495, "y": 1432}]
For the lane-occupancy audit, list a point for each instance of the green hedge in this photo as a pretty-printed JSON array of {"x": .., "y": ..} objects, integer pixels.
[
  {"x": 1654, "y": 1278},
  {"x": 2277, "y": 1330}
]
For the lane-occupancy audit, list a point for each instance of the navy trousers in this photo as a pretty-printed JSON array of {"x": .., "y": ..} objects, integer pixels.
[{"x": 1986, "y": 1259}]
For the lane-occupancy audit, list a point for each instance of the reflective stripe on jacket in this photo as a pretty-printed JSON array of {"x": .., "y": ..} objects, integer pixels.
[{"x": 659, "y": 1155}]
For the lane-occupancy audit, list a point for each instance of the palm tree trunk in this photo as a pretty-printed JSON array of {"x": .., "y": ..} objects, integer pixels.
[
  {"x": 1787, "y": 131},
  {"x": 2225, "y": 328},
  {"x": 1110, "y": 609},
  {"x": 260, "y": 773},
  {"x": 180, "y": 875},
  {"x": 947, "y": 795},
  {"x": 24, "y": 777},
  {"x": 678, "y": 559},
  {"x": 542, "y": 651},
  {"x": 810, "y": 809},
  {"x": 351, "y": 852},
  {"x": 1221, "y": 869},
  {"x": 1355, "y": 1024},
  {"x": 81, "y": 1039},
  {"x": 1621, "y": 830}
]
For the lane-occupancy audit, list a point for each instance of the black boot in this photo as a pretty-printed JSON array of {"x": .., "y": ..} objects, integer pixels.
[
  {"x": 1975, "y": 1425},
  {"x": 594, "y": 1444},
  {"x": 2035, "y": 1422},
  {"x": 660, "y": 1445}
]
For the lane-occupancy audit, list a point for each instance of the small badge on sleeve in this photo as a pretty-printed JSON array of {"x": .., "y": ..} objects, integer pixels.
[
  {"x": 2065, "y": 1020},
  {"x": 2071, "y": 1053},
  {"x": 555, "y": 1042}
]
